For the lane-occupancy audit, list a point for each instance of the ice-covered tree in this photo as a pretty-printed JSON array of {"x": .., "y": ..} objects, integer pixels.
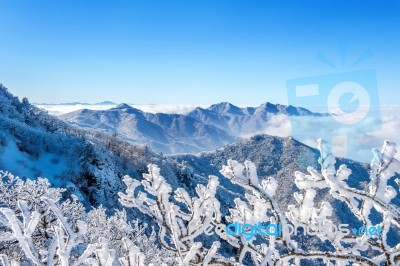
[
  {"x": 361, "y": 203},
  {"x": 36, "y": 227},
  {"x": 347, "y": 248},
  {"x": 178, "y": 226}
]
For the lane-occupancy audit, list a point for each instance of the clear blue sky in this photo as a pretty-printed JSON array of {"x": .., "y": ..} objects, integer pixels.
[{"x": 189, "y": 51}]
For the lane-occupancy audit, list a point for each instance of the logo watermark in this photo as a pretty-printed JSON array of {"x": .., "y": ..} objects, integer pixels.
[
  {"x": 349, "y": 100},
  {"x": 278, "y": 230}
]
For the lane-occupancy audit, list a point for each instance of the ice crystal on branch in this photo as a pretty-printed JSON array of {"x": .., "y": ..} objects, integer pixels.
[
  {"x": 178, "y": 227},
  {"x": 36, "y": 228}
]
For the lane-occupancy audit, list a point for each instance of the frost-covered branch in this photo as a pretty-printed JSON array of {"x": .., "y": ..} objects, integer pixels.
[
  {"x": 361, "y": 203},
  {"x": 311, "y": 214},
  {"x": 21, "y": 231},
  {"x": 36, "y": 227},
  {"x": 260, "y": 202},
  {"x": 179, "y": 227}
]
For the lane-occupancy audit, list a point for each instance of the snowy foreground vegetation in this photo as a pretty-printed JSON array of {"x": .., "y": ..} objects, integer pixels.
[{"x": 40, "y": 227}]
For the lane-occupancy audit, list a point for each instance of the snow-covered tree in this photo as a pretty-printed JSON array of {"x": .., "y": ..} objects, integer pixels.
[
  {"x": 347, "y": 249},
  {"x": 178, "y": 227},
  {"x": 37, "y": 228},
  {"x": 361, "y": 203}
]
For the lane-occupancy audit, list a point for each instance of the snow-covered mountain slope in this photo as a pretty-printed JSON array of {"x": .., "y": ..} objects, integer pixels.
[
  {"x": 88, "y": 163},
  {"x": 244, "y": 121},
  {"x": 279, "y": 158},
  {"x": 273, "y": 156},
  {"x": 168, "y": 133}
]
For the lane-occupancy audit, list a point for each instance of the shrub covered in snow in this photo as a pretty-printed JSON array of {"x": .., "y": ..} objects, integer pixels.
[
  {"x": 36, "y": 227},
  {"x": 183, "y": 219}
]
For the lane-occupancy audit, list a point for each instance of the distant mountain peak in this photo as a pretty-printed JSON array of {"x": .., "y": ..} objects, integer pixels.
[
  {"x": 123, "y": 106},
  {"x": 268, "y": 104},
  {"x": 223, "y": 105},
  {"x": 226, "y": 107},
  {"x": 269, "y": 107},
  {"x": 126, "y": 108}
]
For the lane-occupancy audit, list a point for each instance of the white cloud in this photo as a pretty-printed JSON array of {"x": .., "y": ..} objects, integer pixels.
[{"x": 367, "y": 135}]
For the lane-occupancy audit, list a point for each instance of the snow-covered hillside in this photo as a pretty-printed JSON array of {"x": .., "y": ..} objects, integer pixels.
[
  {"x": 273, "y": 156},
  {"x": 88, "y": 163}
]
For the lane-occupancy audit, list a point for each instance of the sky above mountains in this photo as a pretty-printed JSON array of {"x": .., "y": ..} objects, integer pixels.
[{"x": 190, "y": 52}]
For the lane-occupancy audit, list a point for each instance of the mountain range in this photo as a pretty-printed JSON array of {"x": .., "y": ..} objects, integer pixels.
[
  {"x": 78, "y": 103},
  {"x": 168, "y": 133},
  {"x": 201, "y": 129},
  {"x": 244, "y": 121}
]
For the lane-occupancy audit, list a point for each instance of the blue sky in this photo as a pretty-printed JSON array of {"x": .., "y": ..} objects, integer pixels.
[{"x": 189, "y": 52}]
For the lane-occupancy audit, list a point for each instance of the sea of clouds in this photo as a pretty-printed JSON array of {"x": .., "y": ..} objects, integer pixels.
[{"x": 368, "y": 134}]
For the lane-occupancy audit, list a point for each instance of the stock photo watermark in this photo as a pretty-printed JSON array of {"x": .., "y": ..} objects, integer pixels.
[
  {"x": 278, "y": 230},
  {"x": 347, "y": 103}
]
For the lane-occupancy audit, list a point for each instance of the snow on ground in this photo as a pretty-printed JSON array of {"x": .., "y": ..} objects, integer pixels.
[{"x": 46, "y": 165}]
